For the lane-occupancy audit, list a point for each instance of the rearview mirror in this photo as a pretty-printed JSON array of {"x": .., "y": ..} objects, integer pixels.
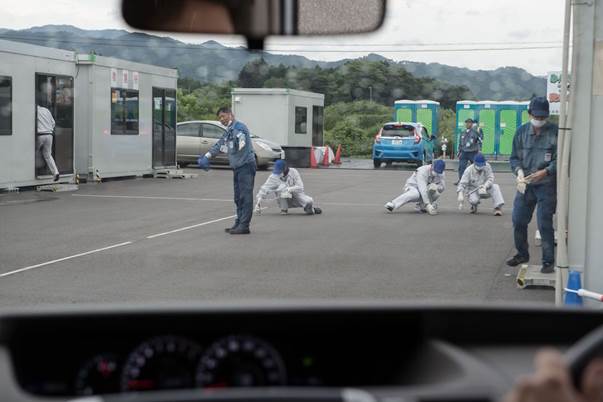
[{"x": 256, "y": 19}]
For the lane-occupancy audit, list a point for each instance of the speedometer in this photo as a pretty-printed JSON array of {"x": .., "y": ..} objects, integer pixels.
[
  {"x": 164, "y": 362},
  {"x": 240, "y": 361}
]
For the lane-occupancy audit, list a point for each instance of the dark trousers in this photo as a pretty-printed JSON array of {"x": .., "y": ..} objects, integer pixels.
[
  {"x": 243, "y": 180},
  {"x": 464, "y": 160},
  {"x": 545, "y": 197}
]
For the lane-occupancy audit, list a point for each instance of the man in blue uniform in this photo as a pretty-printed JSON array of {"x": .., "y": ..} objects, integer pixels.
[
  {"x": 534, "y": 161},
  {"x": 469, "y": 146},
  {"x": 236, "y": 142}
]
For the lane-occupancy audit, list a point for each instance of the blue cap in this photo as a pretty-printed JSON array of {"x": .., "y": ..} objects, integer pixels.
[
  {"x": 279, "y": 166},
  {"x": 439, "y": 166},
  {"x": 479, "y": 160},
  {"x": 539, "y": 107}
]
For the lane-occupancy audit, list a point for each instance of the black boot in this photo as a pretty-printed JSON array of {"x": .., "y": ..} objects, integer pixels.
[
  {"x": 516, "y": 260},
  {"x": 239, "y": 230}
]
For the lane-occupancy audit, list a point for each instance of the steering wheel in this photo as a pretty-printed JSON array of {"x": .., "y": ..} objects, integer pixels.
[{"x": 582, "y": 352}]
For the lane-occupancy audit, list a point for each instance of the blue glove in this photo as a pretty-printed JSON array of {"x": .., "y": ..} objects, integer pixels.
[{"x": 203, "y": 163}]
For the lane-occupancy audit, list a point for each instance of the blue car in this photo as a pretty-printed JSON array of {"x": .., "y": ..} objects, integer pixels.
[{"x": 403, "y": 142}]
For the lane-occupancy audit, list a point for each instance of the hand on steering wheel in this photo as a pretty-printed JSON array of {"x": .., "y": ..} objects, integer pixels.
[{"x": 575, "y": 377}]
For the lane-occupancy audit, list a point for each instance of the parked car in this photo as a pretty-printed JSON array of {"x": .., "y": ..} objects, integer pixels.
[
  {"x": 403, "y": 142},
  {"x": 194, "y": 138}
]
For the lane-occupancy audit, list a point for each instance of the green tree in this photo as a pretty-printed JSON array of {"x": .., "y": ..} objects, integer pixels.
[{"x": 447, "y": 129}]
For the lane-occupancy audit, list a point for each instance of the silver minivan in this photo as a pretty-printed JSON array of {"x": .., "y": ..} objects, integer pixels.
[{"x": 194, "y": 138}]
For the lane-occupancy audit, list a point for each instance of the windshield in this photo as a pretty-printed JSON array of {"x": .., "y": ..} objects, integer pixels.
[
  {"x": 397, "y": 131},
  {"x": 133, "y": 207}
]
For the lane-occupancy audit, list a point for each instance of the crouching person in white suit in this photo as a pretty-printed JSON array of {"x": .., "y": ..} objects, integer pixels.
[
  {"x": 286, "y": 186},
  {"x": 477, "y": 183},
  {"x": 424, "y": 187}
]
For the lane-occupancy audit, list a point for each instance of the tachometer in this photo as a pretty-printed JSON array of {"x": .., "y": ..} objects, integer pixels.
[
  {"x": 240, "y": 361},
  {"x": 164, "y": 362},
  {"x": 99, "y": 375}
]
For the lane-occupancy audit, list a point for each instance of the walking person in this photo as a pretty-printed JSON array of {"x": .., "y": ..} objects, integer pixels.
[
  {"x": 236, "y": 142},
  {"x": 45, "y": 138}
]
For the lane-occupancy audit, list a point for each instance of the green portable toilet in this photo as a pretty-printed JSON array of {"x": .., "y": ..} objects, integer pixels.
[
  {"x": 464, "y": 110},
  {"x": 487, "y": 122},
  {"x": 525, "y": 117},
  {"x": 427, "y": 114},
  {"x": 405, "y": 110},
  {"x": 511, "y": 115},
  {"x": 509, "y": 119}
]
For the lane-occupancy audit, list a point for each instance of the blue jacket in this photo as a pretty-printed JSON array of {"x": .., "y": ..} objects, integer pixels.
[
  {"x": 470, "y": 141},
  {"x": 236, "y": 133},
  {"x": 533, "y": 152}
]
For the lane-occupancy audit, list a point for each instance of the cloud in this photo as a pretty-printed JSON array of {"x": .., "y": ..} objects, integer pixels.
[{"x": 427, "y": 22}]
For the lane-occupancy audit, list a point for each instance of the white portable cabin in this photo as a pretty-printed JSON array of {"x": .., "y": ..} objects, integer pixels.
[
  {"x": 30, "y": 74},
  {"x": 125, "y": 121},
  {"x": 286, "y": 116}
]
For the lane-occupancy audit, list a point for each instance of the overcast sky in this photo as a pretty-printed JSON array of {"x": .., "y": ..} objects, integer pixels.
[{"x": 443, "y": 31}]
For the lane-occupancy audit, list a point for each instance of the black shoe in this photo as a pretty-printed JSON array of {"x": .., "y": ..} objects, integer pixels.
[
  {"x": 239, "y": 230},
  {"x": 516, "y": 260},
  {"x": 317, "y": 211},
  {"x": 56, "y": 177},
  {"x": 227, "y": 230},
  {"x": 309, "y": 210},
  {"x": 547, "y": 268}
]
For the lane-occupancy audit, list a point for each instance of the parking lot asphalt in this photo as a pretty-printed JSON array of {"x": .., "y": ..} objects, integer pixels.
[{"x": 163, "y": 240}]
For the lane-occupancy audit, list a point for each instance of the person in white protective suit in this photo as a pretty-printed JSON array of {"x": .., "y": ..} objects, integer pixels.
[
  {"x": 286, "y": 186},
  {"x": 477, "y": 183},
  {"x": 424, "y": 187}
]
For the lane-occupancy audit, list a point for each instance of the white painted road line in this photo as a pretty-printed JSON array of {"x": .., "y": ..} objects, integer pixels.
[
  {"x": 98, "y": 250},
  {"x": 342, "y": 204},
  {"x": 151, "y": 198},
  {"x": 190, "y": 227}
]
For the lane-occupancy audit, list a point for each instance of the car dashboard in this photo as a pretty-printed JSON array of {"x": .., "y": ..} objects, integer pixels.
[{"x": 356, "y": 352}]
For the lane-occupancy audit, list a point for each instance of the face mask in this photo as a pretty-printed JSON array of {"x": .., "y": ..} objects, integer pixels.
[{"x": 538, "y": 123}]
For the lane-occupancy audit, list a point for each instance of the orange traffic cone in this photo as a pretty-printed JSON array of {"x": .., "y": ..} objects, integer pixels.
[
  {"x": 325, "y": 159},
  {"x": 337, "y": 160},
  {"x": 313, "y": 163}
]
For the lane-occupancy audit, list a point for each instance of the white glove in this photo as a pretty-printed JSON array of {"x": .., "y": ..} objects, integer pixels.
[
  {"x": 520, "y": 175},
  {"x": 460, "y": 197},
  {"x": 286, "y": 194},
  {"x": 522, "y": 184},
  {"x": 482, "y": 192},
  {"x": 432, "y": 187},
  {"x": 258, "y": 208},
  {"x": 431, "y": 210}
]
